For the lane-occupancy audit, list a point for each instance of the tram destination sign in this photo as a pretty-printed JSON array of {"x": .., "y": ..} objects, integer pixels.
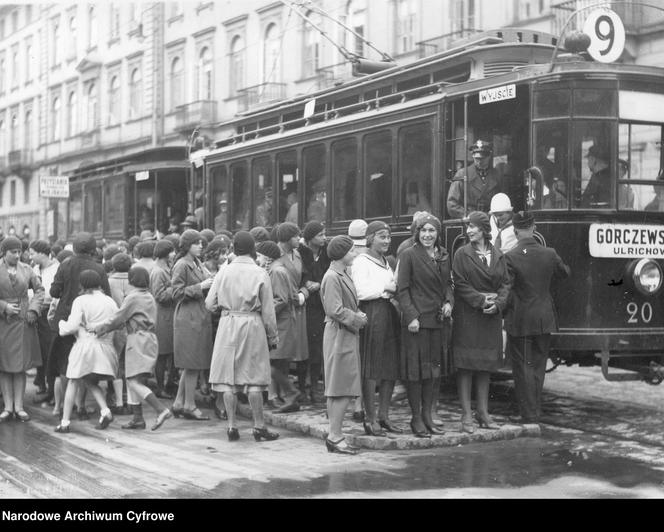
[
  {"x": 498, "y": 94},
  {"x": 626, "y": 241},
  {"x": 53, "y": 186}
]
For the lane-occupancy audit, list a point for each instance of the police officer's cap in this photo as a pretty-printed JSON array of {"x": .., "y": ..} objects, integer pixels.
[{"x": 482, "y": 147}]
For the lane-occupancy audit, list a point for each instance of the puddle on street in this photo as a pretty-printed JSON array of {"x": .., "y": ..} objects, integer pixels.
[{"x": 501, "y": 465}]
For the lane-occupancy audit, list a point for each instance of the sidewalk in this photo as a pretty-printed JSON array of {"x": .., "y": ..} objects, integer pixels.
[{"x": 312, "y": 421}]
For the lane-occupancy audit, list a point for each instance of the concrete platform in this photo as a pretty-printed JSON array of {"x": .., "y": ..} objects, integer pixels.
[{"x": 312, "y": 421}]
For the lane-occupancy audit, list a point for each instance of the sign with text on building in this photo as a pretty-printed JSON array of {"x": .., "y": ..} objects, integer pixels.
[
  {"x": 498, "y": 94},
  {"x": 622, "y": 241},
  {"x": 51, "y": 186}
]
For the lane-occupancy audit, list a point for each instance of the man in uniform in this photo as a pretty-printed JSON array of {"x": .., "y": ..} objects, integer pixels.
[
  {"x": 483, "y": 183},
  {"x": 530, "y": 318},
  {"x": 598, "y": 190}
]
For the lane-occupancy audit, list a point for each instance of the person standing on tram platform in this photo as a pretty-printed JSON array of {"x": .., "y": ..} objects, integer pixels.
[
  {"x": 502, "y": 228},
  {"x": 597, "y": 193},
  {"x": 531, "y": 316},
  {"x": 484, "y": 182}
]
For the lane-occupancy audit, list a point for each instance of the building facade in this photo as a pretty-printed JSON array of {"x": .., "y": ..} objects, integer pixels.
[{"x": 118, "y": 95}]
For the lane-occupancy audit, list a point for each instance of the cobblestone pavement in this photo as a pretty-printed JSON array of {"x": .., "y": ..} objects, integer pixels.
[{"x": 598, "y": 439}]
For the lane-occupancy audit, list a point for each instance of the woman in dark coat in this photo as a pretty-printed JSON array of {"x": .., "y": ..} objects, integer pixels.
[
  {"x": 162, "y": 290},
  {"x": 481, "y": 287},
  {"x": 19, "y": 343},
  {"x": 316, "y": 262},
  {"x": 192, "y": 325},
  {"x": 341, "y": 340},
  {"x": 426, "y": 299}
]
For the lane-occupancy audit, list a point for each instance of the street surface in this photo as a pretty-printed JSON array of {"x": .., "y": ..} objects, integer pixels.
[{"x": 599, "y": 439}]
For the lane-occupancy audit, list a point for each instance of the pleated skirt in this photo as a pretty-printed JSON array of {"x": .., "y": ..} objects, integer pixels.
[{"x": 380, "y": 353}]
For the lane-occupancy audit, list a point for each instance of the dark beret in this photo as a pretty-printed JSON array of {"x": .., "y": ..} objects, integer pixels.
[
  {"x": 269, "y": 249},
  {"x": 312, "y": 229},
  {"x": 339, "y": 246},
  {"x": 244, "y": 244},
  {"x": 121, "y": 262},
  {"x": 163, "y": 248},
  {"x": 286, "y": 231},
  {"x": 139, "y": 277}
]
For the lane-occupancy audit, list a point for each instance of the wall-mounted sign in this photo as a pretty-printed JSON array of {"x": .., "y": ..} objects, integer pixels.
[
  {"x": 143, "y": 176},
  {"x": 53, "y": 186},
  {"x": 498, "y": 94},
  {"x": 607, "y": 35},
  {"x": 626, "y": 241}
]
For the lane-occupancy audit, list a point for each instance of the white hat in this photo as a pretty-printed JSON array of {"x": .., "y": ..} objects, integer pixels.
[
  {"x": 357, "y": 230},
  {"x": 500, "y": 203}
]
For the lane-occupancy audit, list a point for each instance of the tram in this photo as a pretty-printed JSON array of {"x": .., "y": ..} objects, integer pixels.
[{"x": 387, "y": 145}]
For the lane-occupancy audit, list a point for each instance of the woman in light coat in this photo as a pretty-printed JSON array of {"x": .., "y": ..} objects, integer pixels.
[
  {"x": 192, "y": 323},
  {"x": 19, "y": 342},
  {"x": 341, "y": 340},
  {"x": 247, "y": 330}
]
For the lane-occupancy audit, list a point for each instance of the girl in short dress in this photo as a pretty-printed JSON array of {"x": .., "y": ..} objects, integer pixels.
[{"x": 93, "y": 357}]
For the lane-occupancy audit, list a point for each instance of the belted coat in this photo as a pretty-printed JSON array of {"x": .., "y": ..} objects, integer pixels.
[{"x": 162, "y": 290}]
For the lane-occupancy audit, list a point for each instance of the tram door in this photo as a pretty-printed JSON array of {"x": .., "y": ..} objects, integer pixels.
[
  {"x": 504, "y": 124},
  {"x": 161, "y": 200}
]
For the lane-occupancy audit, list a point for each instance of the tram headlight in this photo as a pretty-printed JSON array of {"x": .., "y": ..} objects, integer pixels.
[{"x": 647, "y": 276}]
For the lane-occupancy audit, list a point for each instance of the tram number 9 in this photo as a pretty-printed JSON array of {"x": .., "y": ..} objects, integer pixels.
[
  {"x": 634, "y": 312},
  {"x": 605, "y": 23}
]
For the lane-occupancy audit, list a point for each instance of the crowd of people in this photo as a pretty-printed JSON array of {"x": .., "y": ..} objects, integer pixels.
[{"x": 157, "y": 318}]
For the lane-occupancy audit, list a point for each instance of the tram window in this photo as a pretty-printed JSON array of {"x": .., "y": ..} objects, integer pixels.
[
  {"x": 592, "y": 185},
  {"x": 315, "y": 183},
  {"x": 344, "y": 177},
  {"x": 262, "y": 178},
  {"x": 640, "y": 158},
  {"x": 378, "y": 174},
  {"x": 241, "y": 190},
  {"x": 93, "y": 210},
  {"x": 288, "y": 182},
  {"x": 146, "y": 203},
  {"x": 220, "y": 198},
  {"x": 550, "y": 103},
  {"x": 75, "y": 211},
  {"x": 593, "y": 102},
  {"x": 415, "y": 168},
  {"x": 172, "y": 201},
  {"x": 551, "y": 161},
  {"x": 114, "y": 205}
]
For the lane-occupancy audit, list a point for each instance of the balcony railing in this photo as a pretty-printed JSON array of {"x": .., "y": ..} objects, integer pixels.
[
  {"x": 443, "y": 42},
  {"x": 195, "y": 114},
  {"x": 17, "y": 160},
  {"x": 636, "y": 18},
  {"x": 264, "y": 93}
]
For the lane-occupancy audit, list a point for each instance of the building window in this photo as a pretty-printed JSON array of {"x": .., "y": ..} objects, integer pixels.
[
  {"x": 12, "y": 193},
  {"x": 237, "y": 65},
  {"x": 55, "y": 119},
  {"x": 28, "y": 62},
  {"x": 271, "y": 55},
  {"x": 13, "y": 139},
  {"x": 204, "y": 74},
  {"x": 26, "y": 190},
  {"x": 114, "y": 101},
  {"x": 356, "y": 12},
  {"x": 73, "y": 27},
  {"x": 15, "y": 73},
  {"x": 93, "y": 31},
  {"x": 91, "y": 107},
  {"x": 71, "y": 114},
  {"x": 3, "y": 71},
  {"x": 28, "y": 13},
  {"x": 14, "y": 21},
  {"x": 57, "y": 43},
  {"x": 463, "y": 15},
  {"x": 135, "y": 93},
  {"x": 177, "y": 82},
  {"x": 2, "y": 28},
  {"x": 406, "y": 22},
  {"x": 27, "y": 144},
  {"x": 115, "y": 22},
  {"x": 311, "y": 46}
]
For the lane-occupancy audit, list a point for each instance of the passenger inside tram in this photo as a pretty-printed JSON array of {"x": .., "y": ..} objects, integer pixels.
[
  {"x": 291, "y": 202},
  {"x": 316, "y": 211},
  {"x": 626, "y": 197},
  {"x": 264, "y": 209},
  {"x": 221, "y": 219},
  {"x": 598, "y": 191},
  {"x": 657, "y": 204},
  {"x": 415, "y": 200}
]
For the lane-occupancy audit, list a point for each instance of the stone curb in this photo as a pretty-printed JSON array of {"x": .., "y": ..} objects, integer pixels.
[{"x": 312, "y": 422}]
